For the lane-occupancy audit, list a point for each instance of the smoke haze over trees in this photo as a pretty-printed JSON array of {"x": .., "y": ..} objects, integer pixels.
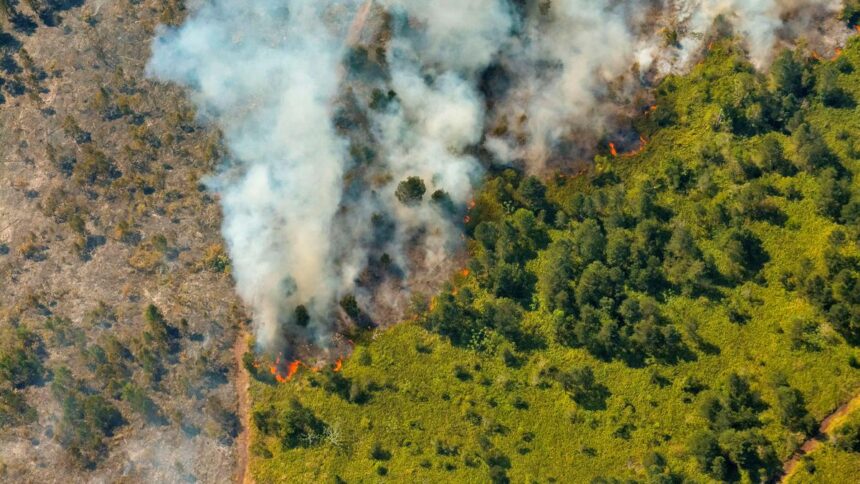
[{"x": 327, "y": 106}]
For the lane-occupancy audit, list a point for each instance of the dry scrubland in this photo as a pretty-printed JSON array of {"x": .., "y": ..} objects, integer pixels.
[{"x": 101, "y": 216}]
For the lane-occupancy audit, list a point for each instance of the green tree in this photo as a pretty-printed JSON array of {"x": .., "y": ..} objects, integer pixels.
[
  {"x": 596, "y": 283},
  {"x": 505, "y": 316},
  {"x": 812, "y": 152},
  {"x": 684, "y": 263},
  {"x": 350, "y": 306},
  {"x": 791, "y": 410},
  {"x": 788, "y": 75},
  {"x": 589, "y": 241},
  {"x": 410, "y": 191},
  {"x": 833, "y": 194},
  {"x": 831, "y": 93},
  {"x": 770, "y": 156},
  {"x": 745, "y": 253},
  {"x": 301, "y": 316},
  {"x": 703, "y": 446},
  {"x": 557, "y": 270}
]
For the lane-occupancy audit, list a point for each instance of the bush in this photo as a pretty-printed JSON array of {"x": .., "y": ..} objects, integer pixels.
[
  {"x": 94, "y": 166},
  {"x": 848, "y": 437},
  {"x": 21, "y": 353},
  {"x": 299, "y": 426},
  {"x": 14, "y": 409},
  {"x": 86, "y": 419},
  {"x": 584, "y": 389},
  {"x": 377, "y": 452},
  {"x": 140, "y": 402}
]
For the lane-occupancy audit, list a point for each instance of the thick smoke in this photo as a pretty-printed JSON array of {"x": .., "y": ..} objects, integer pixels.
[{"x": 327, "y": 105}]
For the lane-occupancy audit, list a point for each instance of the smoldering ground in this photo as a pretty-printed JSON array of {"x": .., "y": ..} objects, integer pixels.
[{"x": 326, "y": 106}]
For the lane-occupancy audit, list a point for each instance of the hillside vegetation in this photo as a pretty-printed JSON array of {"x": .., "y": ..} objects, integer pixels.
[{"x": 689, "y": 311}]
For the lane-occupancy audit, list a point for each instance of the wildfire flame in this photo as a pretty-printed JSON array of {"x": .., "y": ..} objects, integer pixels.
[
  {"x": 837, "y": 53},
  {"x": 465, "y": 273},
  {"x": 292, "y": 369},
  {"x": 642, "y": 143},
  {"x": 612, "y": 149},
  {"x": 274, "y": 368},
  {"x": 338, "y": 365}
]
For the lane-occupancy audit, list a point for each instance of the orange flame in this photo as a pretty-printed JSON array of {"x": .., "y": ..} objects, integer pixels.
[
  {"x": 652, "y": 108},
  {"x": 642, "y": 143},
  {"x": 836, "y": 53},
  {"x": 292, "y": 369},
  {"x": 274, "y": 368},
  {"x": 857, "y": 28},
  {"x": 816, "y": 55},
  {"x": 465, "y": 273},
  {"x": 612, "y": 149},
  {"x": 338, "y": 365}
]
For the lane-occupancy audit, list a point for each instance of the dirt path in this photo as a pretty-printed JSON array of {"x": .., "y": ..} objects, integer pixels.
[
  {"x": 828, "y": 425},
  {"x": 242, "y": 382}
]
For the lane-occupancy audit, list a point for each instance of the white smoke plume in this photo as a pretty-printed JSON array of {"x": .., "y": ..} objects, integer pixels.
[{"x": 327, "y": 105}]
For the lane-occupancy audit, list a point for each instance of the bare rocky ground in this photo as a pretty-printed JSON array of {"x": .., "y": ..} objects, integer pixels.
[{"x": 102, "y": 214}]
